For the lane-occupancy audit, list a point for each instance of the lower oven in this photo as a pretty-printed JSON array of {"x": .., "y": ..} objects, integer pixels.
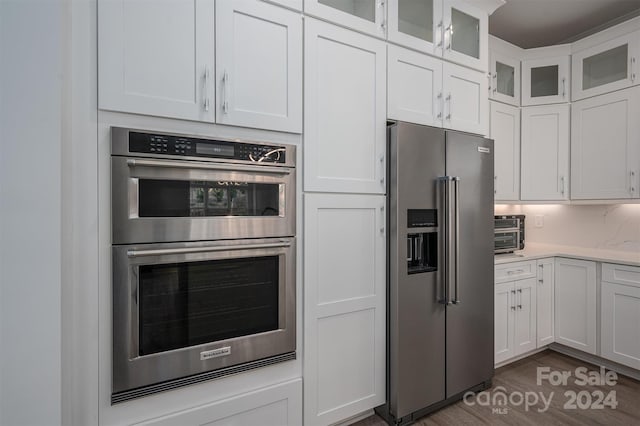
[
  {"x": 192, "y": 311},
  {"x": 508, "y": 233}
]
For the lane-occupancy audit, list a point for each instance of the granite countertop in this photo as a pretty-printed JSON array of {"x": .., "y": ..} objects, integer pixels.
[{"x": 539, "y": 251}]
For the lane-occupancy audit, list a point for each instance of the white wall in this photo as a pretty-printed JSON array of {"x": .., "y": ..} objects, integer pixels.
[
  {"x": 611, "y": 227},
  {"x": 30, "y": 211}
]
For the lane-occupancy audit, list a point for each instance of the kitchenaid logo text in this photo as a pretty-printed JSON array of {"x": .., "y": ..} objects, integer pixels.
[{"x": 602, "y": 398}]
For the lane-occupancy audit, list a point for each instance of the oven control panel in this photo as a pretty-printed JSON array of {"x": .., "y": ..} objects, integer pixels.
[{"x": 150, "y": 143}]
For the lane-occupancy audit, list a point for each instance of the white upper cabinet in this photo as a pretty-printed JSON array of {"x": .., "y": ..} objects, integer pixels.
[
  {"x": 466, "y": 32},
  {"x": 545, "y": 153},
  {"x": 505, "y": 132},
  {"x": 545, "y": 81},
  {"x": 292, "y": 4},
  {"x": 414, "y": 87},
  {"x": 609, "y": 66},
  {"x": 367, "y": 16},
  {"x": 505, "y": 78},
  {"x": 417, "y": 24},
  {"x": 466, "y": 106},
  {"x": 157, "y": 58},
  {"x": 605, "y": 146},
  {"x": 258, "y": 65},
  {"x": 345, "y": 110}
]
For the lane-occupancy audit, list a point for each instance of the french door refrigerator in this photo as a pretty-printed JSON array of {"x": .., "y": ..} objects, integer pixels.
[{"x": 440, "y": 266}]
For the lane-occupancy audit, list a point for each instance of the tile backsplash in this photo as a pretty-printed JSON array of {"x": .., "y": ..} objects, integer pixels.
[{"x": 611, "y": 227}]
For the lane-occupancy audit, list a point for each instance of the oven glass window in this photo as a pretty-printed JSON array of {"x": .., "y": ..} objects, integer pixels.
[
  {"x": 180, "y": 198},
  {"x": 506, "y": 240},
  {"x": 187, "y": 304}
]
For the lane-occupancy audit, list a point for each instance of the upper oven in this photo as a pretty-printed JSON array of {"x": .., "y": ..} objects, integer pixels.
[{"x": 169, "y": 188}]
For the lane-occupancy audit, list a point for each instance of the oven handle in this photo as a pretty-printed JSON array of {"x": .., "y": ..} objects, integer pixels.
[
  {"x": 213, "y": 166},
  {"x": 161, "y": 252}
]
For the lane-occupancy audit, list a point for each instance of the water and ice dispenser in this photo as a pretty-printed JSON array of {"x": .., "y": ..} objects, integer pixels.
[{"x": 422, "y": 245}]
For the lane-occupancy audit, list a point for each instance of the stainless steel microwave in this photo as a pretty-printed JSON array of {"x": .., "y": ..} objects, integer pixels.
[{"x": 508, "y": 233}]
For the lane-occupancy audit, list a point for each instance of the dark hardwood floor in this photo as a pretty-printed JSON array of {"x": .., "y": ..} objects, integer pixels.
[{"x": 520, "y": 378}]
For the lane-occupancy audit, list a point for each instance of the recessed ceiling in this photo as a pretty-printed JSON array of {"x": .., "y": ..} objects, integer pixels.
[{"x": 536, "y": 23}]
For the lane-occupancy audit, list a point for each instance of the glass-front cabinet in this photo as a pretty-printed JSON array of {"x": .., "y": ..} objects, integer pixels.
[
  {"x": 505, "y": 79},
  {"x": 454, "y": 29},
  {"x": 417, "y": 24},
  {"x": 367, "y": 16},
  {"x": 609, "y": 66},
  {"x": 545, "y": 81}
]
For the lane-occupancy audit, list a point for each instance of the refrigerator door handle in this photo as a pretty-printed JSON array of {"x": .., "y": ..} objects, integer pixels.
[
  {"x": 445, "y": 197},
  {"x": 456, "y": 242},
  {"x": 449, "y": 206}
]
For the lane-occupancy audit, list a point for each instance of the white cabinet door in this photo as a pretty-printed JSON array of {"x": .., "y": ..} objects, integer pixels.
[
  {"x": 345, "y": 110},
  {"x": 575, "y": 304},
  {"x": 505, "y": 78},
  {"x": 545, "y": 153},
  {"x": 157, "y": 58},
  {"x": 525, "y": 316},
  {"x": 367, "y": 16},
  {"x": 605, "y": 146},
  {"x": 504, "y": 312},
  {"x": 545, "y": 81},
  {"x": 466, "y": 34},
  {"x": 292, "y": 4},
  {"x": 466, "y": 105},
  {"x": 258, "y": 65},
  {"x": 621, "y": 323},
  {"x": 545, "y": 302},
  {"x": 416, "y": 24},
  {"x": 279, "y": 405},
  {"x": 414, "y": 89},
  {"x": 610, "y": 66},
  {"x": 505, "y": 132},
  {"x": 344, "y": 306}
]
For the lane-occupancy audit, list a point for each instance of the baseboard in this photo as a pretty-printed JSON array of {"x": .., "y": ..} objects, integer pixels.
[
  {"x": 594, "y": 359},
  {"x": 355, "y": 418},
  {"x": 521, "y": 356}
]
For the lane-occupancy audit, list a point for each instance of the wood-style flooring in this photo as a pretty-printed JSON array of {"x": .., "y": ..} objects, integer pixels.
[{"x": 521, "y": 377}]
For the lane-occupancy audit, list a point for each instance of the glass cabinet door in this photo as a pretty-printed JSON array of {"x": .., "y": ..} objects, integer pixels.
[
  {"x": 417, "y": 24},
  {"x": 367, "y": 16},
  {"x": 465, "y": 34},
  {"x": 545, "y": 81},
  {"x": 607, "y": 67},
  {"x": 505, "y": 79}
]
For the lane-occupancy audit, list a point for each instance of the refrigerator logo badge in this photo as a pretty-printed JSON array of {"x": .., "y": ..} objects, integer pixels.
[{"x": 484, "y": 149}]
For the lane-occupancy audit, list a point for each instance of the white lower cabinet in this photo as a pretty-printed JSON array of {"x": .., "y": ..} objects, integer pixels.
[
  {"x": 620, "y": 319},
  {"x": 515, "y": 310},
  {"x": 575, "y": 304},
  {"x": 344, "y": 306},
  {"x": 544, "y": 302},
  {"x": 278, "y": 405}
]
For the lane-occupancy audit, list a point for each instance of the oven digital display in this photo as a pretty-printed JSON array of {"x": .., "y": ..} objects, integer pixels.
[{"x": 215, "y": 149}]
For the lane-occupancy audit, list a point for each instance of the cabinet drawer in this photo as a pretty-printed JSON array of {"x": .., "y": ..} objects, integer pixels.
[
  {"x": 621, "y": 274},
  {"x": 515, "y": 271}
]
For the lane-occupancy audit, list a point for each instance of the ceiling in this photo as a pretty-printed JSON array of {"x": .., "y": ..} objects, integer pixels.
[{"x": 536, "y": 23}]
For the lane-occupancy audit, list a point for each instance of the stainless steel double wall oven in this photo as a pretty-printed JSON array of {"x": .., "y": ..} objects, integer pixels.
[{"x": 203, "y": 259}]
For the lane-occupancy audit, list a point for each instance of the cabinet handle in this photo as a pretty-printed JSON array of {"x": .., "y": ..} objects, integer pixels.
[
  {"x": 449, "y": 100},
  {"x": 495, "y": 82},
  {"x": 383, "y": 22},
  {"x": 633, "y": 69},
  {"x": 205, "y": 88},
  {"x": 564, "y": 87},
  {"x": 382, "y": 171},
  {"x": 439, "y": 30},
  {"x": 513, "y": 307},
  {"x": 562, "y": 185},
  {"x": 632, "y": 182},
  {"x": 225, "y": 92},
  {"x": 449, "y": 30},
  {"x": 520, "y": 299},
  {"x": 441, "y": 105},
  {"x": 495, "y": 182},
  {"x": 382, "y": 221}
]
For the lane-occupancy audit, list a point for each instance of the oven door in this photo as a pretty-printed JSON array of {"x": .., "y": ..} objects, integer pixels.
[
  {"x": 185, "y": 309},
  {"x": 170, "y": 200},
  {"x": 506, "y": 240}
]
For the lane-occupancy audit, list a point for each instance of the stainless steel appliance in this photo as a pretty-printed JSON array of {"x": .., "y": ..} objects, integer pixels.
[
  {"x": 508, "y": 233},
  {"x": 440, "y": 282},
  {"x": 203, "y": 259}
]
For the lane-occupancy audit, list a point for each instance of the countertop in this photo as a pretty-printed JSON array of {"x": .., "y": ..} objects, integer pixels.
[{"x": 534, "y": 251}]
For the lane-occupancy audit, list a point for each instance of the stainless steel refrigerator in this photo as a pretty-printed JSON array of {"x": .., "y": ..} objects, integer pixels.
[{"x": 440, "y": 269}]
